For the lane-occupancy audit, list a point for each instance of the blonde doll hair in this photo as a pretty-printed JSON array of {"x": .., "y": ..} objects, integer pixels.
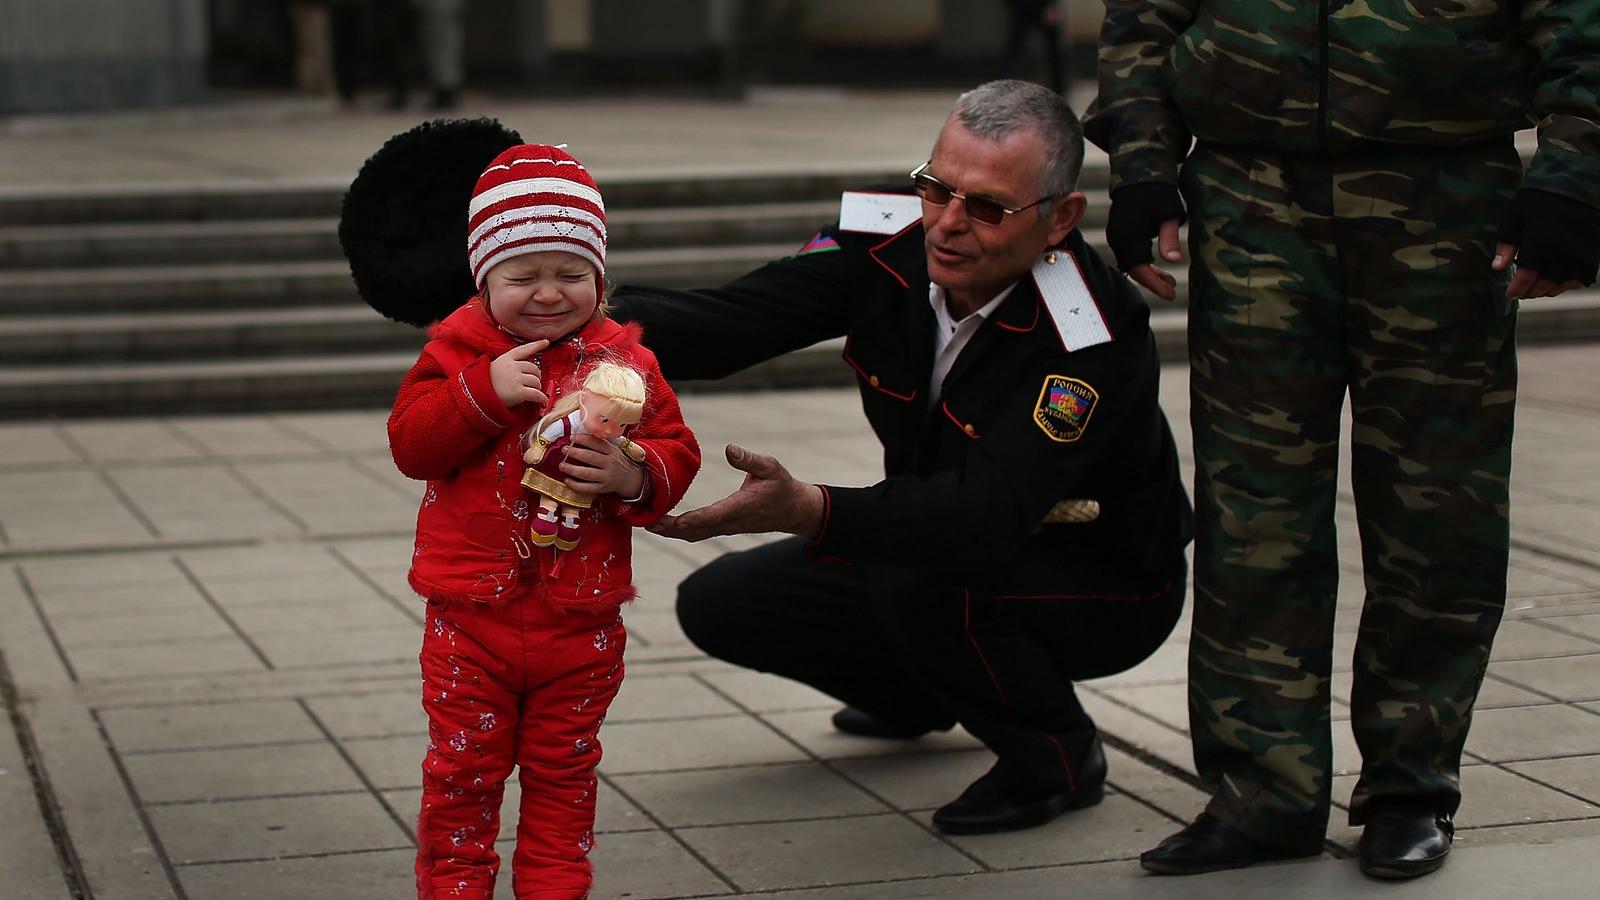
[{"x": 621, "y": 386}]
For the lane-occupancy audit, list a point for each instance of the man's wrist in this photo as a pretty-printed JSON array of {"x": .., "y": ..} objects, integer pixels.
[{"x": 809, "y": 507}]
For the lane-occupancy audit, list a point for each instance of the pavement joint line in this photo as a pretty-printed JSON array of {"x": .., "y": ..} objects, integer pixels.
[
  {"x": 44, "y": 622},
  {"x": 205, "y": 594},
  {"x": 265, "y": 496},
  {"x": 409, "y": 610},
  {"x": 127, "y": 502},
  {"x": 247, "y": 798},
  {"x": 209, "y": 748},
  {"x": 139, "y": 808},
  {"x": 363, "y": 464},
  {"x": 330, "y": 854},
  {"x": 1555, "y": 700},
  {"x": 405, "y": 828},
  {"x": 185, "y": 438},
  {"x": 668, "y": 831},
  {"x": 1546, "y": 784},
  {"x": 160, "y": 546},
  {"x": 831, "y": 766},
  {"x": 1545, "y": 623},
  {"x": 49, "y": 806}
]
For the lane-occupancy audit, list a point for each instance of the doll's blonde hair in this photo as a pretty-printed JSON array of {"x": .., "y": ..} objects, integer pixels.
[{"x": 621, "y": 386}]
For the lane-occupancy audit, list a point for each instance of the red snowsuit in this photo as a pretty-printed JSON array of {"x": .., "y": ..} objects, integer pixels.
[{"x": 522, "y": 649}]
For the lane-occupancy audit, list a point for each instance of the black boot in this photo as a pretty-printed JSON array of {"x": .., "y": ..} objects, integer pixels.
[
  {"x": 988, "y": 805},
  {"x": 861, "y": 723},
  {"x": 1404, "y": 838},
  {"x": 1211, "y": 845}
]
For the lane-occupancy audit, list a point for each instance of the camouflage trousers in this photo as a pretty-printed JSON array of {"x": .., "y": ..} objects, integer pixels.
[{"x": 1313, "y": 279}]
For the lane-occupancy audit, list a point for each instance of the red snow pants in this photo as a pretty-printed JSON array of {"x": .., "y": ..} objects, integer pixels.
[{"x": 513, "y": 683}]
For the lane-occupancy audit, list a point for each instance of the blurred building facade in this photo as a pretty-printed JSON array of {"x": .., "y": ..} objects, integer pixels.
[{"x": 98, "y": 54}]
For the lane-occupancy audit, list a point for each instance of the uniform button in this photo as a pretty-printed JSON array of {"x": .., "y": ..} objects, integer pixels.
[
  {"x": 873, "y": 380},
  {"x": 968, "y": 429}
]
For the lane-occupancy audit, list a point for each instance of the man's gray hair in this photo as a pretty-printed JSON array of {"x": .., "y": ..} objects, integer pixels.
[{"x": 996, "y": 109}]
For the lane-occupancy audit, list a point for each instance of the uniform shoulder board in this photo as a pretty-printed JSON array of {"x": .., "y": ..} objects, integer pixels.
[
  {"x": 878, "y": 213},
  {"x": 1072, "y": 306}
]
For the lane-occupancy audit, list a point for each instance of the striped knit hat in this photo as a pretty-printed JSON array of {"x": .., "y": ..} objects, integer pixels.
[{"x": 530, "y": 199}]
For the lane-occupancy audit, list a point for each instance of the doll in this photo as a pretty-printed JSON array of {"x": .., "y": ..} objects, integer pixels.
[{"x": 611, "y": 399}]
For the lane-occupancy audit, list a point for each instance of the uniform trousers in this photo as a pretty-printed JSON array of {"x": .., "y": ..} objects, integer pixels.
[
  {"x": 512, "y": 683},
  {"x": 931, "y": 658},
  {"x": 1314, "y": 279}
]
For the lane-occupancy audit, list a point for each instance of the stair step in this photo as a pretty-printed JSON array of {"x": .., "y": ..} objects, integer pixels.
[
  {"x": 168, "y": 336},
  {"x": 315, "y": 283}
]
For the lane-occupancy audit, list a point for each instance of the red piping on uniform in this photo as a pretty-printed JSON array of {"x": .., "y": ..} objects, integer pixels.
[
  {"x": 1116, "y": 598},
  {"x": 887, "y": 241},
  {"x": 959, "y": 424},
  {"x": 966, "y": 625},
  {"x": 1072, "y": 777},
  {"x": 827, "y": 511},
  {"x": 1036, "y": 304},
  {"x": 1092, "y": 299}
]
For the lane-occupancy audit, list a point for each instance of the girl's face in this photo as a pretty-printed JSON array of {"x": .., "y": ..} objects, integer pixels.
[
  {"x": 542, "y": 296},
  {"x": 595, "y": 421}
]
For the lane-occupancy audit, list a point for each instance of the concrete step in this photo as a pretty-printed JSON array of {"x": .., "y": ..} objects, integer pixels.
[
  {"x": 228, "y": 334},
  {"x": 100, "y": 204},
  {"x": 315, "y": 283},
  {"x": 312, "y": 239}
]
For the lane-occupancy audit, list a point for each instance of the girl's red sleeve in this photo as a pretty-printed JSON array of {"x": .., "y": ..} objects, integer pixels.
[
  {"x": 672, "y": 454},
  {"x": 441, "y": 418}
]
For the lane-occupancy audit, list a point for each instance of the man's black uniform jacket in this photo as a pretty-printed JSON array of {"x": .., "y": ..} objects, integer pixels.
[{"x": 968, "y": 480}]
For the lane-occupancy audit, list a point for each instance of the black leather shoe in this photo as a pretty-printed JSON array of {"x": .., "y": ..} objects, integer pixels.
[
  {"x": 986, "y": 806},
  {"x": 864, "y": 724},
  {"x": 1404, "y": 840},
  {"x": 1211, "y": 845}
]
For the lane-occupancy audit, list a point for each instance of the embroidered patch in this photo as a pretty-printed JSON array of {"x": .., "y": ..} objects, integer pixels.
[
  {"x": 821, "y": 243},
  {"x": 1064, "y": 407}
]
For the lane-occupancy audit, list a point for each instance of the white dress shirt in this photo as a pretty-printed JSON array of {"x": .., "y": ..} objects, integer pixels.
[{"x": 950, "y": 336}]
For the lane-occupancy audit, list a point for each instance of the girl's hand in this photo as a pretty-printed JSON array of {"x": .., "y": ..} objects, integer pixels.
[
  {"x": 515, "y": 375},
  {"x": 594, "y": 466}
]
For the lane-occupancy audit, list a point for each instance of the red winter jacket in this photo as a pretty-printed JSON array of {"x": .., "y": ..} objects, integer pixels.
[{"x": 449, "y": 428}]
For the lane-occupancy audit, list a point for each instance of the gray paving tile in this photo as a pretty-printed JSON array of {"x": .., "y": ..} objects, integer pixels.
[
  {"x": 153, "y": 626},
  {"x": 654, "y": 629},
  {"x": 1169, "y": 664},
  {"x": 1527, "y": 639},
  {"x": 911, "y": 781},
  {"x": 1166, "y": 702},
  {"x": 1491, "y": 797},
  {"x": 331, "y": 496},
  {"x": 65, "y": 509},
  {"x": 290, "y": 586},
  {"x": 750, "y": 794},
  {"x": 813, "y": 730},
  {"x": 78, "y": 574},
  {"x": 644, "y": 697},
  {"x": 1118, "y": 828},
  {"x": 871, "y": 848},
  {"x": 259, "y": 562},
  {"x": 1538, "y": 835},
  {"x": 1568, "y": 678},
  {"x": 199, "y": 657},
  {"x": 1538, "y": 732},
  {"x": 377, "y": 713},
  {"x": 130, "y": 439},
  {"x": 294, "y": 616},
  {"x": 339, "y": 431},
  {"x": 262, "y": 829},
  {"x": 25, "y": 444},
  {"x": 341, "y": 648},
  {"x": 170, "y": 497},
  {"x": 27, "y": 856},
  {"x": 632, "y": 747},
  {"x": 1144, "y": 734},
  {"x": 241, "y": 772},
  {"x": 1579, "y": 775},
  {"x": 647, "y": 865},
  {"x": 761, "y": 692},
  {"x": 207, "y": 725},
  {"x": 242, "y": 436},
  {"x": 350, "y": 876},
  {"x": 1175, "y": 797},
  {"x": 1495, "y": 694},
  {"x": 172, "y": 594},
  {"x": 1586, "y": 625},
  {"x": 389, "y": 762}
]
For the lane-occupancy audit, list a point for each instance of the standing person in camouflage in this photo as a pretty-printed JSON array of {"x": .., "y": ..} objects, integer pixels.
[{"x": 1351, "y": 173}]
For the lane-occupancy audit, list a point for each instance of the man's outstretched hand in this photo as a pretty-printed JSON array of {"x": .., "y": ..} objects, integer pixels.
[{"x": 770, "y": 499}]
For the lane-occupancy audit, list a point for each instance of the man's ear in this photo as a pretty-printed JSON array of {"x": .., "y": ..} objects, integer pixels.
[{"x": 1065, "y": 214}]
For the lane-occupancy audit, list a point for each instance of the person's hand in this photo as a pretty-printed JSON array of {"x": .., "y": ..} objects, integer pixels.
[
  {"x": 1553, "y": 241},
  {"x": 1139, "y": 213},
  {"x": 770, "y": 499},
  {"x": 515, "y": 375},
  {"x": 595, "y": 466}
]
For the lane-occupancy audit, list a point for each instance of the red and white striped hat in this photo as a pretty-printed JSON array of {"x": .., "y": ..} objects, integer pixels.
[{"x": 530, "y": 199}]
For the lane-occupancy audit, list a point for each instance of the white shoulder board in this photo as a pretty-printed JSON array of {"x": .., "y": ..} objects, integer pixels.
[
  {"x": 878, "y": 213},
  {"x": 1071, "y": 305}
]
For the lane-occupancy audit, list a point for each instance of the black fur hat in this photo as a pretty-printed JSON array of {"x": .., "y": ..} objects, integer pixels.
[{"x": 403, "y": 226}]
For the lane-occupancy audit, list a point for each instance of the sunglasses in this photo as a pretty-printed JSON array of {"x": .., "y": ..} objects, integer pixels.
[{"x": 983, "y": 209}]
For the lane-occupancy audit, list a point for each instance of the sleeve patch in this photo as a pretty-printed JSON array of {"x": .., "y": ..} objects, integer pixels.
[
  {"x": 820, "y": 243},
  {"x": 1064, "y": 407}
]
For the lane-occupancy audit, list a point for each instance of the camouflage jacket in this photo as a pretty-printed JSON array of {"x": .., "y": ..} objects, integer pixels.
[{"x": 1350, "y": 76}]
